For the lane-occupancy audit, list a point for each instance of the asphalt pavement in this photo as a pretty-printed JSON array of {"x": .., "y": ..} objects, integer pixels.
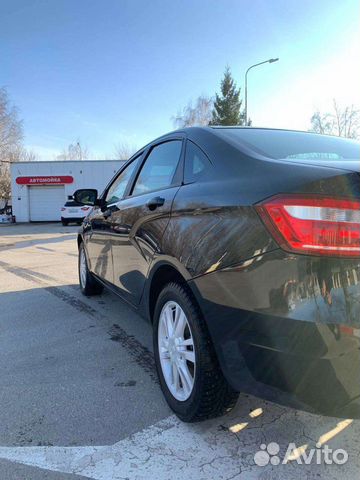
[{"x": 79, "y": 397}]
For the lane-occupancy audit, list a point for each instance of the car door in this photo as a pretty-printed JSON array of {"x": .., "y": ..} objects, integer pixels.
[
  {"x": 141, "y": 218},
  {"x": 99, "y": 241}
]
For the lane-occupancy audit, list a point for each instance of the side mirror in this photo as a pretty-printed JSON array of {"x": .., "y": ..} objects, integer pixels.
[{"x": 86, "y": 196}]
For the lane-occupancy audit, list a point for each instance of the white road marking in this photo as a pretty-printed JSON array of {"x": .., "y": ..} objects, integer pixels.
[{"x": 172, "y": 450}]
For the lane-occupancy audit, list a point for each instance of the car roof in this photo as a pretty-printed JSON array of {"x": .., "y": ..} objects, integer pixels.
[
  {"x": 241, "y": 127},
  {"x": 209, "y": 136},
  {"x": 192, "y": 131},
  {"x": 213, "y": 128}
]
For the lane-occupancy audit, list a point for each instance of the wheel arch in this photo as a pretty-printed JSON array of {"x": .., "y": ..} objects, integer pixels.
[{"x": 162, "y": 273}]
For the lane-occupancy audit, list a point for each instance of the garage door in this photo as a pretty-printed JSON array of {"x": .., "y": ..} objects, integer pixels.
[{"x": 46, "y": 202}]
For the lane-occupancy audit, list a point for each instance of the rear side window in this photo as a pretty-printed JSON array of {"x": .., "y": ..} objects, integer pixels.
[
  {"x": 159, "y": 168},
  {"x": 196, "y": 163},
  {"x": 285, "y": 144}
]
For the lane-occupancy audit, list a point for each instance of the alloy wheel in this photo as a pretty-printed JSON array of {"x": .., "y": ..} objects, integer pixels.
[
  {"x": 83, "y": 268},
  {"x": 176, "y": 351}
]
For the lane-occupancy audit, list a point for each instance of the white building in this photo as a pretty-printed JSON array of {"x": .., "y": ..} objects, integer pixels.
[{"x": 40, "y": 189}]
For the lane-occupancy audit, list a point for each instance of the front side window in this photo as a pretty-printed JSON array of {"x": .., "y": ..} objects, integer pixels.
[
  {"x": 117, "y": 190},
  {"x": 159, "y": 168},
  {"x": 196, "y": 162}
]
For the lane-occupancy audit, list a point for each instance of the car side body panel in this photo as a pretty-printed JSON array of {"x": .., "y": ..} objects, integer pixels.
[{"x": 137, "y": 235}]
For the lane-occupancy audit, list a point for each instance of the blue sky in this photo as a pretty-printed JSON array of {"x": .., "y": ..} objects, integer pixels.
[{"x": 108, "y": 71}]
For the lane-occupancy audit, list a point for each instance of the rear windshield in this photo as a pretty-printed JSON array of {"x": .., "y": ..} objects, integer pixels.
[
  {"x": 282, "y": 144},
  {"x": 72, "y": 203}
]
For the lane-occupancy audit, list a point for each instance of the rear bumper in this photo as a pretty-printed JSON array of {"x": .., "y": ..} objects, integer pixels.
[{"x": 286, "y": 328}]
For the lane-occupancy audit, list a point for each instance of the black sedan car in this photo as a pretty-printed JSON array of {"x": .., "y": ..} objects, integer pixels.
[{"x": 242, "y": 248}]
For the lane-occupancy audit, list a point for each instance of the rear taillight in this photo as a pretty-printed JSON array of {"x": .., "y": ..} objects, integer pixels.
[
  {"x": 313, "y": 224},
  {"x": 63, "y": 209},
  {"x": 85, "y": 209}
]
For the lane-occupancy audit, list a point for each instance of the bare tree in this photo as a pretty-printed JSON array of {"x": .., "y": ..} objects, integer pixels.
[
  {"x": 342, "y": 122},
  {"x": 74, "y": 151},
  {"x": 195, "y": 114},
  {"x": 17, "y": 155},
  {"x": 11, "y": 137},
  {"x": 123, "y": 151},
  {"x": 28, "y": 156},
  {"x": 347, "y": 121},
  {"x": 11, "y": 128},
  {"x": 5, "y": 185},
  {"x": 321, "y": 123}
]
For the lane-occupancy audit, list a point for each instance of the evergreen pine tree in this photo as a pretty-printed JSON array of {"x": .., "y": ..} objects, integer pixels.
[{"x": 227, "y": 106}]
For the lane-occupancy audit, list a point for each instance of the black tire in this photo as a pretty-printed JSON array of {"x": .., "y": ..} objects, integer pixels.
[
  {"x": 211, "y": 396},
  {"x": 64, "y": 222},
  {"x": 91, "y": 286}
]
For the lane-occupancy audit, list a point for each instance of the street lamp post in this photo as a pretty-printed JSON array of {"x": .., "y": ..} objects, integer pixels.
[{"x": 271, "y": 60}]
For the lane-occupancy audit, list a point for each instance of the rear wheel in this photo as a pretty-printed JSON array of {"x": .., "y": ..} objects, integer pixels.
[
  {"x": 64, "y": 222},
  {"x": 88, "y": 283},
  {"x": 187, "y": 366}
]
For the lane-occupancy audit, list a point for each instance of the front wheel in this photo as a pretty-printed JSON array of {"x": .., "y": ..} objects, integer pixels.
[
  {"x": 187, "y": 366},
  {"x": 88, "y": 283}
]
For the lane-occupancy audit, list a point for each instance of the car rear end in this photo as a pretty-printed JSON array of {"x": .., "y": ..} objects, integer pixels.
[
  {"x": 72, "y": 212},
  {"x": 286, "y": 320}
]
